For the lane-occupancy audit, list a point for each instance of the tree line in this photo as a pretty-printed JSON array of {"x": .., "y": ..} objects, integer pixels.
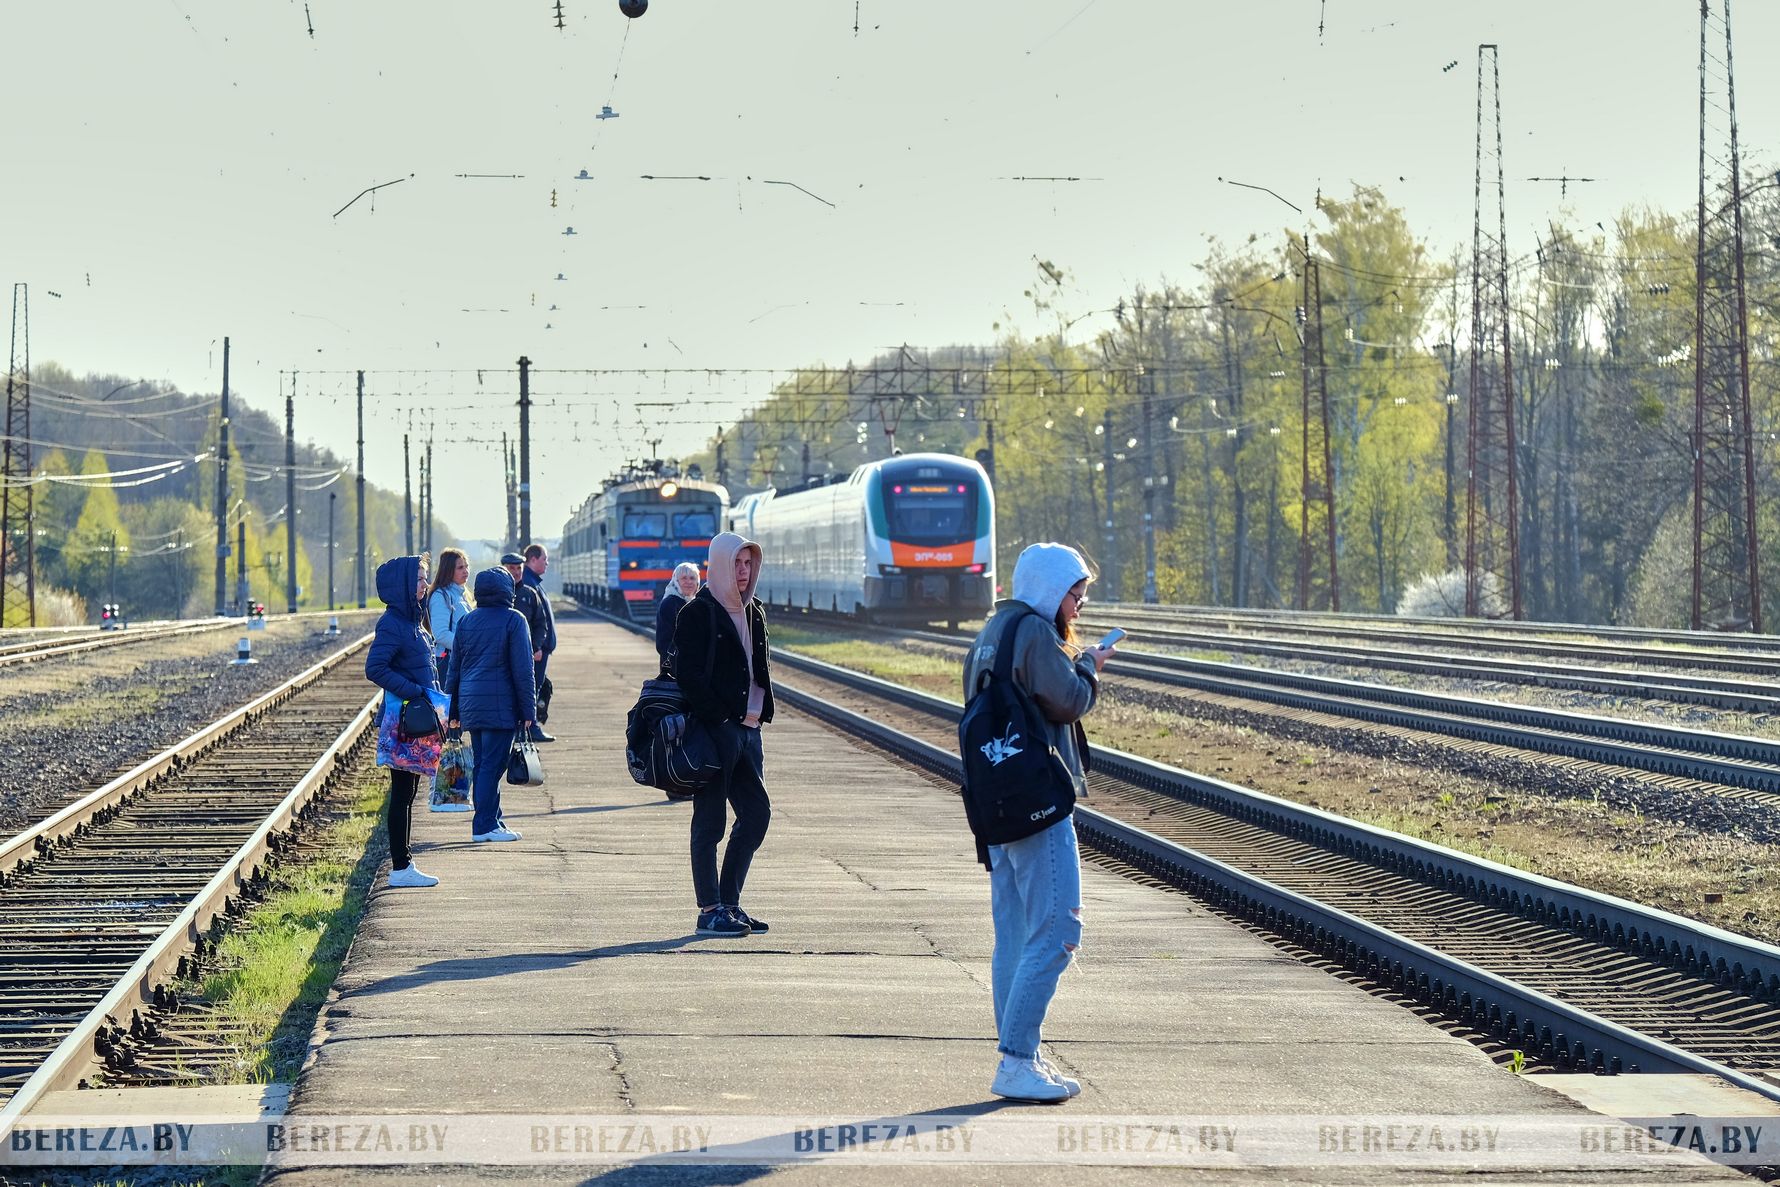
[
  {"x": 145, "y": 537},
  {"x": 1184, "y": 402}
]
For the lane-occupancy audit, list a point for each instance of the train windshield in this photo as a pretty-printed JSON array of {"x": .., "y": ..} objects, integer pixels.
[
  {"x": 642, "y": 524},
  {"x": 932, "y": 512},
  {"x": 701, "y": 523}
]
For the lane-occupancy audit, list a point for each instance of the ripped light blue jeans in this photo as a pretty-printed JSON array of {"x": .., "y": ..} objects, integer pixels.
[{"x": 1035, "y": 896}]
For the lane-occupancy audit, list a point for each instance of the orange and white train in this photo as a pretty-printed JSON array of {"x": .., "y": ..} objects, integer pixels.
[{"x": 906, "y": 539}]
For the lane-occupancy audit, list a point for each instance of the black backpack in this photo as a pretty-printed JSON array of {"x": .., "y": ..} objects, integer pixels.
[
  {"x": 665, "y": 747},
  {"x": 1015, "y": 782}
]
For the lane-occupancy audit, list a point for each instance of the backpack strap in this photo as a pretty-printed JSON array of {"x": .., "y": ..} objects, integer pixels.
[{"x": 1003, "y": 668}]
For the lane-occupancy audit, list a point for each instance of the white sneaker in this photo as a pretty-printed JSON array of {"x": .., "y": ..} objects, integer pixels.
[
  {"x": 499, "y": 834},
  {"x": 1023, "y": 1079},
  {"x": 1073, "y": 1087},
  {"x": 411, "y": 876}
]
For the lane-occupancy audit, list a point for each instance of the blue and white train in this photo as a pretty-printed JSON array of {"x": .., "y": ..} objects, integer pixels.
[
  {"x": 909, "y": 539},
  {"x": 620, "y": 546}
]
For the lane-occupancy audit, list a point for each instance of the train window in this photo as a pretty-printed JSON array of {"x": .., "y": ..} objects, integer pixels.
[
  {"x": 693, "y": 524},
  {"x": 933, "y": 513},
  {"x": 641, "y": 524}
]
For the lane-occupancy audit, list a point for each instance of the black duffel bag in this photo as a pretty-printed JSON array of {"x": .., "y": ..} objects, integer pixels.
[{"x": 665, "y": 746}]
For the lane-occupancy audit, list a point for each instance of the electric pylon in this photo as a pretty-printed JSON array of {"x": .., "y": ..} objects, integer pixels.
[
  {"x": 1492, "y": 497},
  {"x": 1318, "y": 481},
  {"x": 18, "y": 567},
  {"x": 1726, "y": 557}
]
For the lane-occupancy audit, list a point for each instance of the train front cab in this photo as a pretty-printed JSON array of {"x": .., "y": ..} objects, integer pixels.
[
  {"x": 653, "y": 537},
  {"x": 932, "y": 524}
]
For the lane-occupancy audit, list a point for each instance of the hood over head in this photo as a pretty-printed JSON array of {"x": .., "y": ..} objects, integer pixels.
[
  {"x": 720, "y": 570},
  {"x": 397, "y": 579},
  {"x": 1044, "y": 573},
  {"x": 494, "y": 587}
]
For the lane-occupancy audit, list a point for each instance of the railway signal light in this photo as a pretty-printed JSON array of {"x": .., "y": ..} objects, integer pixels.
[
  {"x": 111, "y": 616},
  {"x": 633, "y": 8}
]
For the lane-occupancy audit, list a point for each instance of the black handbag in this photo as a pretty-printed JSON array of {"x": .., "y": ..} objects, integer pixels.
[
  {"x": 419, "y": 719},
  {"x": 524, "y": 767}
]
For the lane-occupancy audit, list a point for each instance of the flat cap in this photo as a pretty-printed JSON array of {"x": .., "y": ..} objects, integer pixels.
[{"x": 512, "y": 558}]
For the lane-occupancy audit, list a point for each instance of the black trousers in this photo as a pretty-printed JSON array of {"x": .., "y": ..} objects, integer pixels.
[
  {"x": 743, "y": 787},
  {"x": 402, "y": 787}
]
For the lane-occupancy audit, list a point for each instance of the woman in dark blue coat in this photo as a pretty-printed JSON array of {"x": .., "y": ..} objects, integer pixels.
[
  {"x": 401, "y": 661},
  {"x": 492, "y": 696}
]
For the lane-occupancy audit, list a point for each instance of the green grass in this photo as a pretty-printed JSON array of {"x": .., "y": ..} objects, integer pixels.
[
  {"x": 270, "y": 975},
  {"x": 930, "y": 673}
]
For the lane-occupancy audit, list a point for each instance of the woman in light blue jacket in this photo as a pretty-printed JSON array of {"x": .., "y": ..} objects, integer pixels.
[{"x": 446, "y": 604}]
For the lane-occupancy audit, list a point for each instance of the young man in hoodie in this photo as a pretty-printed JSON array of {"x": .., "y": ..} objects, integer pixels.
[
  {"x": 1035, "y": 884},
  {"x": 720, "y": 639},
  {"x": 400, "y": 661}
]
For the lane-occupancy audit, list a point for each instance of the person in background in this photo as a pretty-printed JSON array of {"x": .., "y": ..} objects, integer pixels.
[
  {"x": 490, "y": 686},
  {"x": 733, "y": 698},
  {"x": 1035, "y": 884},
  {"x": 537, "y": 560},
  {"x": 446, "y": 603},
  {"x": 531, "y": 607},
  {"x": 682, "y": 589},
  {"x": 400, "y": 661}
]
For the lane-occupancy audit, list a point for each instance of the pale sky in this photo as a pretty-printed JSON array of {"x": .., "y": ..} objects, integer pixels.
[{"x": 173, "y": 169}]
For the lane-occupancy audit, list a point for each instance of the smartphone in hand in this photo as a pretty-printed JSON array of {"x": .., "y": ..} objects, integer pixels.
[{"x": 1111, "y": 639}]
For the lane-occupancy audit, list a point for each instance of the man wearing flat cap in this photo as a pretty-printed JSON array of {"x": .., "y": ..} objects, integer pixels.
[{"x": 528, "y": 600}]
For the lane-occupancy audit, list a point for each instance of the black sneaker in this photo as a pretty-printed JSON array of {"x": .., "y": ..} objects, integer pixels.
[
  {"x": 721, "y": 922},
  {"x": 756, "y": 926},
  {"x": 538, "y": 735}
]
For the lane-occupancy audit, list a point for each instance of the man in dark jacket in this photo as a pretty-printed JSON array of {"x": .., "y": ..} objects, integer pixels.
[
  {"x": 529, "y": 600},
  {"x": 490, "y": 685},
  {"x": 400, "y": 662},
  {"x": 721, "y": 665}
]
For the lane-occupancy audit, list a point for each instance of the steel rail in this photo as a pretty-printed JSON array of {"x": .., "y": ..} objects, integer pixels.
[
  {"x": 29, "y": 653},
  {"x": 67, "y": 824},
  {"x": 1722, "y": 660},
  {"x": 1747, "y": 696},
  {"x": 1734, "y": 760},
  {"x": 74, "y": 1056},
  {"x": 1518, "y": 1013},
  {"x": 1501, "y": 626}
]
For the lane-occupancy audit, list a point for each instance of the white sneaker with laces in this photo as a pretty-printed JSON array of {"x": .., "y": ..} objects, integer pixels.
[
  {"x": 1023, "y": 1079},
  {"x": 499, "y": 834},
  {"x": 1073, "y": 1087},
  {"x": 411, "y": 876}
]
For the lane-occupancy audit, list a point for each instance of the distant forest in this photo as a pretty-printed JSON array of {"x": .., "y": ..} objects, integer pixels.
[
  {"x": 1196, "y": 389},
  {"x": 146, "y": 536}
]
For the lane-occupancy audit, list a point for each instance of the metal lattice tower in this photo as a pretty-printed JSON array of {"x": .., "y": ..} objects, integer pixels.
[
  {"x": 18, "y": 563},
  {"x": 1726, "y": 556},
  {"x": 1318, "y": 482},
  {"x": 1492, "y": 497}
]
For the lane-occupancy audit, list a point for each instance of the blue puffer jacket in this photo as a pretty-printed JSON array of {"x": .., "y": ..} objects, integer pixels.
[
  {"x": 401, "y": 655},
  {"x": 490, "y": 677}
]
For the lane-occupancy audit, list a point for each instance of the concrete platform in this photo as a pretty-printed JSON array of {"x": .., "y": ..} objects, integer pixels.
[{"x": 559, "y": 975}]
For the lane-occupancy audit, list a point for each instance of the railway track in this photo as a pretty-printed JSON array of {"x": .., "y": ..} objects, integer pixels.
[
  {"x": 1717, "y": 692},
  {"x": 1148, "y": 624},
  {"x": 1715, "y": 640},
  {"x": 1577, "y": 980},
  {"x": 37, "y": 650},
  {"x": 1720, "y": 763},
  {"x": 101, "y": 903}
]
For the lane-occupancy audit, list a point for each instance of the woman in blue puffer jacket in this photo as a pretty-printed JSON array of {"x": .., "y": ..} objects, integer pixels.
[
  {"x": 490, "y": 685},
  {"x": 401, "y": 661}
]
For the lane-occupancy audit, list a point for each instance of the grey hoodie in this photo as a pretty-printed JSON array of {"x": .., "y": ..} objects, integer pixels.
[{"x": 1064, "y": 689}]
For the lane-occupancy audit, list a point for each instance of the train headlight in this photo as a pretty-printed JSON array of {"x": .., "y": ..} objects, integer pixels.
[{"x": 669, "y": 489}]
